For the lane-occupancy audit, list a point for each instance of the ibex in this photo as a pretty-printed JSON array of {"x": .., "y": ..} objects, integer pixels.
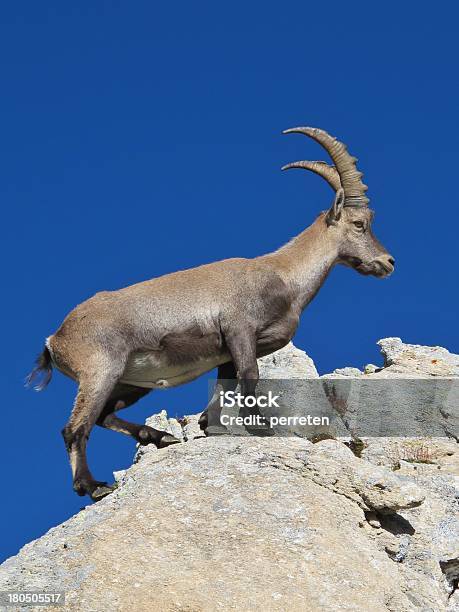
[{"x": 119, "y": 345}]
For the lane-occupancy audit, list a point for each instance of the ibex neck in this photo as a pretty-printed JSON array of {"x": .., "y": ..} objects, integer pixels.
[{"x": 305, "y": 261}]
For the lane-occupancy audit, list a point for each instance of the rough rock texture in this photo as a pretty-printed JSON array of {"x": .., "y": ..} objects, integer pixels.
[
  {"x": 415, "y": 359},
  {"x": 184, "y": 430},
  {"x": 288, "y": 362},
  {"x": 428, "y": 536},
  {"x": 247, "y": 523},
  {"x": 234, "y": 523},
  {"x": 423, "y": 401},
  {"x": 406, "y": 361}
]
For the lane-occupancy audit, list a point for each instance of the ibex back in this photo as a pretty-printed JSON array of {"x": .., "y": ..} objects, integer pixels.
[{"x": 164, "y": 332}]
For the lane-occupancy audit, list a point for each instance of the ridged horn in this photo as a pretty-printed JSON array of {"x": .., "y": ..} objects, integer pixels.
[
  {"x": 329, "y": 173},
  {"x": 351, "y": 178}
]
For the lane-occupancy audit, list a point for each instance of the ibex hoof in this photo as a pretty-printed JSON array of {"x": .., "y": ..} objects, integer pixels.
[
  {"x": 87, "y": 486},
  {"x": 203, "y": 420},
  {"x": 102, "y": 492},
  {"x": 168, "y": 440},
  {"x": 148, "y": 435}
]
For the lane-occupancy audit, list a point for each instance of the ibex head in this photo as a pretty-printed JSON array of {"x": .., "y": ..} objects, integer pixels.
[{"x": 349, "y": 215}]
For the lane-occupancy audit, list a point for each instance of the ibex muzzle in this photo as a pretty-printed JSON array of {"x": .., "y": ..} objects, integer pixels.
[{"x": 119, "y": 345}]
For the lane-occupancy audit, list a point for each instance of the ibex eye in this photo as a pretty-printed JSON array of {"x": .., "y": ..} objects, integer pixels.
[{"x": 359, "y": 224}]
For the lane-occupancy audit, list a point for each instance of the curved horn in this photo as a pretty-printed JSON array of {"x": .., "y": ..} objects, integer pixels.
[
  {"x": 329, "y": 173},
  {"x": 351, "y": 178}
]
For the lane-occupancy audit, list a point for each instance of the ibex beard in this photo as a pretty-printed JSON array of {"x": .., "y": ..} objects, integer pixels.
[{"x": 119, "y": 345}]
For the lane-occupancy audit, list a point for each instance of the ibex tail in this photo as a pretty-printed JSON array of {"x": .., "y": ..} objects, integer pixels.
[{"x": 43, "y": 368}]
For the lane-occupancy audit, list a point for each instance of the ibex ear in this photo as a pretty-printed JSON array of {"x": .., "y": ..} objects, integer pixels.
[{"x": 335, "y": 211}]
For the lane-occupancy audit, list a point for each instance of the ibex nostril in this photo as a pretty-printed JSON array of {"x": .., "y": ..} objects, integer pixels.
[{"x": 391, "y": 260}]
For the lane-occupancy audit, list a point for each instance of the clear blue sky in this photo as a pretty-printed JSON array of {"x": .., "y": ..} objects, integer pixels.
[{"x": 140, "y": 138}]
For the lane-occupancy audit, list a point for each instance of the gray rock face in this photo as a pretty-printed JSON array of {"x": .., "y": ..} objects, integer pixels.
[
  {"x": 427, "y": 536},
  {"x": 239, "y": 524},
  {"x": 246, "y": 523},
  {"x": 184, "y": 430},
  {"x": 416, "y": 360},
  {"x": 415, "y": 393},
  {"x": 407, "y": 361},
  {"x": 288, "y": 362},
  {"x": 347, "y": 372}
]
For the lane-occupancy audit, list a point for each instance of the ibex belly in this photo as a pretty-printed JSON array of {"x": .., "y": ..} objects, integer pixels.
[
  {"x": 181, "y": 358},
  {"x": 154, "y": 371}
]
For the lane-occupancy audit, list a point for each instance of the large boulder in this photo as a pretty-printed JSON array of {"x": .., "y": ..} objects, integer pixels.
[
  {"x": 242, "y": 524},
  {"x": 278, "y": 523}
]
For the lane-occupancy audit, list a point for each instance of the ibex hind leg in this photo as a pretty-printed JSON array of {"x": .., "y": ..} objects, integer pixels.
[
  {"x": 124, "y": 396},
  {"x": 96, "y": 384}
]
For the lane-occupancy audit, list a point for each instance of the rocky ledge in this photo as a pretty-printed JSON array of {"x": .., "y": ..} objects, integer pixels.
[{"x": 245, "y": 523}]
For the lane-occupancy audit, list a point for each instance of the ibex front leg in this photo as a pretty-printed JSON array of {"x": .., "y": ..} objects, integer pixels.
[
  {"x": 242, "y": 347},
  {"x": 210, "y": 419}
]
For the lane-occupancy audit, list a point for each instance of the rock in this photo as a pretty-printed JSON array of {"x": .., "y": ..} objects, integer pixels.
[
  {"x": 343, "y": 372},
  {"x": 428, "y": 407},
  {"x": 416, "y": 360},
  {"x": 407, "y": 361},
  {"x": 431, "y": 453},
  {"x": 190, "y": 427},
  {"x": 278, "y": 523},
  {"x": 175, "y": 429},
  {"x": 372, "y": 519},
  {"x": 159, "y": 421},
  {"x": 118, "y": 475},
  {"x": 184, "y": 429},
  {"x": 356, "y": 403},
  {"x": 237, "y": 523},
  {"x": 288, "y": 362},
  {"x": 333, "y": 465},
  {"x": 162, "y": 422},
  {"x": 429, "y": 534}
]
